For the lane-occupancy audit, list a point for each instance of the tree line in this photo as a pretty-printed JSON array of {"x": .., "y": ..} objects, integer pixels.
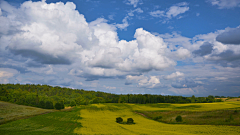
[{"x": 49, "y": 97}]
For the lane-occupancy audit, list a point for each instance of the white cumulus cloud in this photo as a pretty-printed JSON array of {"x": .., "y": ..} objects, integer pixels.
[{"x": 174, "y": 75}]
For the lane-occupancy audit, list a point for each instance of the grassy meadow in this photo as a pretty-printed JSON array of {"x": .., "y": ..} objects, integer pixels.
[
  {"x": 11, "y": 112},
  {"x": 101, "y": 119}
]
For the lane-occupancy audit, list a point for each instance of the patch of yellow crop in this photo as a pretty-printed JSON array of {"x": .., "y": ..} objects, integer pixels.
[
  {"x": 99, "y": 105},
  {"x": 187, "y": 107},
  {"x": 103, "y": 122}
]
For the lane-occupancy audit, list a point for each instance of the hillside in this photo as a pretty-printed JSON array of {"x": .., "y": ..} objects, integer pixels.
[{"x": 11, "y": 112}]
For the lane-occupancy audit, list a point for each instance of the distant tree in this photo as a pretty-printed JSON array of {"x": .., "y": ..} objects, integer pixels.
[
  {"x": 62, "y": 104},
  {"x": 98, "y": 100},
  {"x": 210, "y": 99},
  {"x": 42, "y": 104},
  {"x": 73, "y": 103},
  {"x": 58, "y": 106},
  {"x": 49, "y": 105},
  {"x": 193, "y": 99},
  {"x": 130, "y": 121},
  {"x": 119, "y": 120},
  {"x": 179, "y": 118}
]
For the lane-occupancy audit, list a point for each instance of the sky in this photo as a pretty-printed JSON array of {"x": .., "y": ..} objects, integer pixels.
[{"x": 177, "y": 47}]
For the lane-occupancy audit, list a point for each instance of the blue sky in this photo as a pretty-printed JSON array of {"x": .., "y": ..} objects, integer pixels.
[{"x": 172, "y": 47}]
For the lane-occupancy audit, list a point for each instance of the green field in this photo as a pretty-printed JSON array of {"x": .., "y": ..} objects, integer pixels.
[
  {"x": 100, "y": 119},
  {"x": 11, "y": 112}
]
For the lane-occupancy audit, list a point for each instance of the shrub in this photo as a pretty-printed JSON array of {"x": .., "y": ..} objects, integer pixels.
[
  {"x": 42, "y": 104},
  {"x": 73, "y": 103},
  {"x": 179, "y": 118},
  {"x": 219, "y": 100},
  {"x": 49, "y": 105},
  {"x": 119, "y": 119},
  {"x": 129, "y": 121},
  {"x": 58, "y": 106},
  {"x": 235, "y": 111},
  {"x": 158, "y": 117}
]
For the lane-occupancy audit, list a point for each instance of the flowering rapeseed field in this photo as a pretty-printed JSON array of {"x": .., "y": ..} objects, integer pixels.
[{"x": 100, "y": 119}]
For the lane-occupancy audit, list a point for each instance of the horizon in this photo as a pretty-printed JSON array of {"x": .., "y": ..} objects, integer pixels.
[{"x": 179, "y": 47}]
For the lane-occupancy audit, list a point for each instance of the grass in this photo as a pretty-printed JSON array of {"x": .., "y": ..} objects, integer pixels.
[
  {"x": 217, "y": 117},
  {"x": 101, "y": 119},
  {"x": 10, "y": 112},
  {"x": 59, "y": 122}
]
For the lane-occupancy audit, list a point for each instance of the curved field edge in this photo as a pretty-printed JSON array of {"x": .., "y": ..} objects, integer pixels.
[
  {"x": 100, "y": 119},
  {"x": 224, "y": 113}
]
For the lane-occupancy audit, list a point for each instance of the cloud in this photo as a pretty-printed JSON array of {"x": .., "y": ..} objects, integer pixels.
[
  {"x": 4, "y": 74},
  {"x": 124, "y": 24},
  {"x": 133, "y": 2},
  {"x": 174, "y": 75},
  {"x": 226, "y": 58},
  {"x": 230, "y": 36},
  {"x": 130, "y": 14},
  {"x": 41, "y": 57},
  {"x": 176, "y": 10},
  {"x": 57, "y": 34},
  {"x": 143, "y": 81},
  {"x": 225, "y": 3},
  {"x": 186, "y": 83},
  {"x": 172, "y": 12},
  {"x": 157, "y": 13},
  {"x": 22, "y": 70},
  {"x": 109, "y": 87},
  {"x": 138, "y": 10},
  {"x": 205, "y": 49}
]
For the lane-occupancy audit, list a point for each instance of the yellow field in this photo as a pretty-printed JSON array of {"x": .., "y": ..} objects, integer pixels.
[
  {"x": 100, "y": 119},
  {"x": 187, "y": 107}
]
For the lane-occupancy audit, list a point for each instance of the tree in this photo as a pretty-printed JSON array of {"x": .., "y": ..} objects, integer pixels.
[
  {"x": 73, "y": 103},
  {"x": 58, "y": 106},
  {"x": 49, "y": 105},
  {"x": 98, "y": 100},
  {"x": 130, "y": 121},
  {"x": 179, "y": 118},
  {"x": 119, "y": 120},
  {"x": 193, "y": 99},
  {"x": 42, "y": 104}
]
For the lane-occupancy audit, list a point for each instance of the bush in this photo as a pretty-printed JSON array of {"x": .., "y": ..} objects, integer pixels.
[
  {"x": 179, "y": 118},
  {"x": 158, "y": 117},
  {"x": 119, "y": 119},
  {"x": 219, "y": 100},
  {"x": 73, "y": 103},
  {"x": 129, "y": 121},
  {"x": 42, "y": 104},
  {"x": 235, "y": 111},
  {"x": 58, "y": 106},
  {"x": 49, "y": 105}
]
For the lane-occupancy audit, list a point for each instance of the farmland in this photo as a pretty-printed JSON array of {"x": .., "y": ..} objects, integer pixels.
[
  {"x": 100, "y": 119},
  {"x": 10, "y": 112}
]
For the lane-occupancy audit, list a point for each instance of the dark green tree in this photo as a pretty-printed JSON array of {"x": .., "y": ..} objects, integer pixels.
[
  {"x": 179, "y": 118},
  {"x": 119, "y": 120},
  {"x": 130, "y": 121},
  {"x": 58, "y": 106},
  {"x": 42, "y": 104},
  {"x": 73, "y": 103},
  {"x": 49, "y": 105}
]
